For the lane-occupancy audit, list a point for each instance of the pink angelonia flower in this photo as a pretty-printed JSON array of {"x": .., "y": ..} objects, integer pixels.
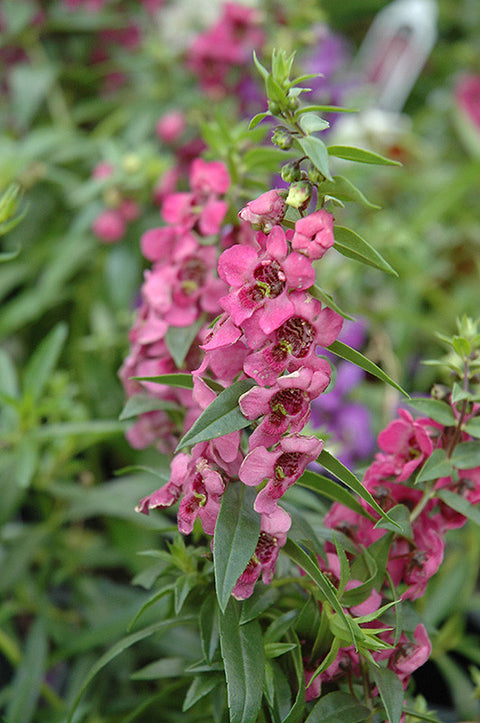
[
  {"x": 279, "y": 468},
  {"x": 266, "y": 211},
  {"x": 285, "y": 406},
  {"x": 170, "y": 493},
  {"x": 407, "y": 442},
  {"x": 225, "y": 448},
  {"x": 467, "y": 95},
  {"x": 273, "y": 535},
  {"x": 467, "y": 485},
  {"x": 129, "y": 210},
  {"x": 260, "y": 279},
  {"x": 332, "y": 567},
  {"x": 203, "y": 490},
  {"x": 408, "y": 656},
  {"x": 209, "y": 178},
  {"x": 294, "y": 343},
  {"x": 314, "y": 234},
  {"x": 109, "y": 227},
  {"x": 415, "y": 563},
  {"x": 170, "y": 126},
  {"x": 102, "y": 170}
]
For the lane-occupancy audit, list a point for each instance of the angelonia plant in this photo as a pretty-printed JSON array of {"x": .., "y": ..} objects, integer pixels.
[{"x": 232, "y": 343}]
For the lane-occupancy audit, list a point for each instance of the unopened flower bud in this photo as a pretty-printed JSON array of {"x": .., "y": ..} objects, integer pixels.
[
  {"x": 299, "y": 194},
  {"x": 314, "y": 174},
  {"x": 282, "y": 138},
  {"x": 273, "y": 107},
  {"x": 291, "y": 172}
]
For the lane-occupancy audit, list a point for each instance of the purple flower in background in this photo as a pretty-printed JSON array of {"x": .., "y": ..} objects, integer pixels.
[{"x": 347, "y": 422}]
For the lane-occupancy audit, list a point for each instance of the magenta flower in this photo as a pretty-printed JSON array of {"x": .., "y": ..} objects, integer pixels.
[
  {"x": 170, "y": 493},
  {"x": 314, "y": 234},
  {"x": 109, "y": 227},
  {"x": 170, "y": 126},
  {"x": 203, "y": 489},
  {"x": 467, "y": 95},
  {"x": 279, "y": 468},
  {"x": 273, "y": 535},
  {"x": 266, "y": 211},
  {"x": 293, "y": 344},
  {"x": 285, "y": 406},
  {"x": 407, "y": 442},
  {"x": 408, "y": 656}
]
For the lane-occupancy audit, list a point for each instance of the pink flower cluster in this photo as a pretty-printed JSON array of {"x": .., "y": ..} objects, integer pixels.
[
  {"x": 225, "y": 49},
  {"x": 111, "y": 224},
  {"x": 405, "y": 444},
  {"x": 270, "y": 331},
  {"x": 181, "y": 287}
]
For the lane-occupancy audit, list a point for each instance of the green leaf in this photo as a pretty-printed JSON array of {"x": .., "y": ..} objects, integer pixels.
[
  {"x": 142, "y": 403},
  {"x": 401, "y": 516},
  {"x": 208, "y": 624},
  {"x": 354, "y": 356},
  {"x": 460, "y": 504},
  {"x": 324, "y": 109},
  {"x": 473, "y": 427},
  {"x": 327, "y": 299},
  {"x": 343, "y": 189},
  {"x": 261, "y": 68},
  {"x": 274, "y": 650},
  {"x": 342, "y": 473},
  {"x": 326, "y": 590},
  {"x": 437, "y": 465},
  {"x": 316, "y": 150},
  {"x": 360, "y": 155},
  {"x": 119, "y": 647},
  {"x": 244, "y": 659},
  {"x": 466, "y": 455},
  {"x": 184, "y": 381},
  {"x": 235, "y": 539},
  {"x": 257, "y": 603},
  {"x": 29, "y": 676},
  {"x": 201, "y": 686},
  {"x": 8, "y": 255},
  {"x": 29, "y": 87},
  {"x": 43, "y": 361},
  {"x": 439, "y": 411},
  {"x": 258, "y": 119},
  {"x": 338, "y": 707},
  {"x": 159, "y": 669},
  {"x": 311, "y": 122},
  {"x": 391, "y": 691},
  {"x": 296, "y": 712},
  {"x": 353, "y": 246},
  {"x": 93, "y": 429},
  {"x": 183, "y": 586},
  {"x": 179, "y": 339},
  {"x": 221, "y": 417},
  {"x": 331, "y": 489}
]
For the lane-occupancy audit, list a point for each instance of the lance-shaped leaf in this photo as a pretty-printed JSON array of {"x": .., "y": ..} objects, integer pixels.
[
  {"x": 179, "y": 339},
  {"x": 326, "y": 590},
  {"x": 43, "y": 361},
  {"x": 346, "y": 352},
  {"x": 460, "y": 504},
  {"x": 296, "y": 712},
  {"x": 258, "y": 119},
  {"x": 324, "y": 109},
  {"x": 244, "y": 659},
  {"x": 334, "y": 491},
  {"x": 437, "y": 410},
  {"x": 181, "y": 380},
  {"x": 343, "y": 189},
  {"x": 353, "y": 246},
  {"x": 391, "y": 691},
  {"x": 437, "y": 465},
  {"x": 235, "y": 539},
  {"x": 327, "y": 299},
  {"x": 338, "y": 707},
  {"x": 360, "y": 155},
  {"x": 316, "y": 150},
  {"x": 466, "y": 455},
  {"x": 222, "y": 416},
  {"x": 141, "y": 403},
  {"x": 333, "y": 465}
]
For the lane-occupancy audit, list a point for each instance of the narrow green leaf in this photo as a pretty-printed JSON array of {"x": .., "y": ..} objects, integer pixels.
[
  {"x": 346, "y": 352},
  {"x": 331, "y": 489},
  {"x": 96, "y": 428},
  {"x": 295, "y": 714},
  {"x": 183, "y": 586},
  {"x": 8, "y": 255},
  {"x": 159, "y": 669},
  {"x": 179, "y": 339},
  {"x": 327, "y": 299},
  {"x": 466, "y": 455},
  {"x": 43, "y": 361},
  {"x": 119, "y": 647},
  {"x": 338, "y": 707},
  {"x": 274, "y": 91},
  {"x": 460, "y": 504},
  {"x": 316, "y": 150},
  {"x": 201, "y": 686},
  {"x": 391, "y": 691},
  {"x": 274, "y": 650},
  {"x": 437, "y": 465},
  {"x": 401, "y": 515},
  {"x": 235, "y": 539},
  {"x": 258, "y": 119},
  {"x": 326, "y": 589},
  {"x": 208, "y": 624},
  {"x": 311, "y": 122},
  {"x": 437, "y": 410},
  {"x": 184, "y": 381},
  {"x": 222, "y": 416},
  {"x": 29, "y": 676},
  {"x": 342, "y": 473},
  {"x": 261, "y": 68},
  {"x": 353, "y": 246},
  {"x": 142, "y": 403},
  {"x": 360, "y": 155},
  {"x": 257, "y": 603},
  {"x": 343, "y": 189},
  {"x": 324, "y": 109},
  {"x": 473, "y": 427},
  {"x": 244, "y": 659}
]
